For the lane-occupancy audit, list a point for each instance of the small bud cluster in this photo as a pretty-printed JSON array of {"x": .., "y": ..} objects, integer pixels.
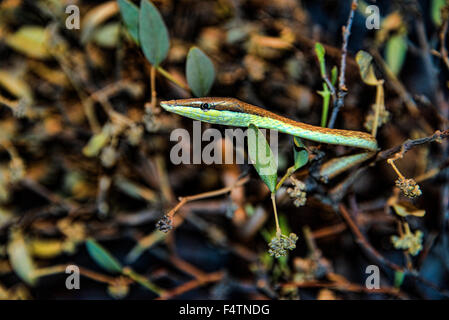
[
  {"x": 109, "y": 156},
  {"x": 384, "y": 117},
  {"x": 409, "y": 187},
  {"x": 298, "y": 192},
  {"x": 151, "y": 125},
  {"x": 119, "y": 289},
  {"x": 409, "y": 241},
  {"x": 134, "y": 134},
  {"x": 21, "y": 110},
  {"x": 281, "y": 243},
  {"x": 164, "y": 224}
]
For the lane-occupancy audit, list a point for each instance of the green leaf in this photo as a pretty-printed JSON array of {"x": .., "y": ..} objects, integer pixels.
[
  {"x": 435, "y": 12},
  {"x": 130, "y": 15},
  {"x": 153, "y": 33},
  {"x": 102, "y": 257},
  {"x": 334, "y": 75},
  {"x": 326, "y": 94},
  {"x": 200, "y": 72},
  {"x": 364, "y": 60},
  {"x": 107, "y": 35},
  {"x": 395, "y": 51},
  {"x": 320, "y": 53},
  {"x": 398, "y": 278},
  {"x": 300, "y": 153},
  {"x": 262, "y": 157}
]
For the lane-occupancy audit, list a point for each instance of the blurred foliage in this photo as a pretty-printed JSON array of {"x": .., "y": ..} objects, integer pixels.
[{"x": 85, "y": 168}]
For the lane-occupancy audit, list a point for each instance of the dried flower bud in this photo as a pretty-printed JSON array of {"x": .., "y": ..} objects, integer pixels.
[
  {"x": 281, "y": 243},
  {"x": 408, "y": 187},
  {"x": 134, "y": 134},
  {"x": 149, "y": 120},
  {"x": 108, "y": 156},
  {"x": 165, "y": 224},
  {"x": 298, "y": 192},
  {"x": 409, "y": 241},
  {"x": 21, "y": 109},
  {"x": 119, "y": 289},
  {"x": 17, "y": 169},
  {"x": 384, "y": 117}
]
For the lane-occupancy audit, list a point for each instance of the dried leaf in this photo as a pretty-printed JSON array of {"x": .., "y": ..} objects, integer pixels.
[
  {"x": 96, "y": 17},
  {"x": 46, "y": 248},
  {"x": 20, "y": 258},
  {"x": 107, "y": 36},
  {"x": 364, "y": 60},
  {"x": 96, "y": 143},
  {"x": 31, "y": 41},
  {"x": 15, "y": 85},
  {"x": 6, "y": 216},
  {"x": 403, "y": 209}
]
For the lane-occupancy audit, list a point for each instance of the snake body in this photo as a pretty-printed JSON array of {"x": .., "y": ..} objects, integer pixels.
[{"x": 233, "y": 112}]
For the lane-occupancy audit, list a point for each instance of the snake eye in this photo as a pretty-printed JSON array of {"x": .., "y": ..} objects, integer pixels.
[{"x": 205, "y": 106}]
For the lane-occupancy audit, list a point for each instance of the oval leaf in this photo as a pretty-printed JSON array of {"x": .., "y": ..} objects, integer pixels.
[
  {"x": 300, "y": 153},
  {"x": 153, "y": 34},
  {"x": 200, "y": 72},
  {"x": 102, "y": 257},
  {"x": 395, "y": 51},
  {"x": 436, "y": 7},
  {"x": 130, "y": 15},
  {"x": 320, "y": 52},
  {"x": 399, "y": 277},
  {"x": 334, "y": 75},
  {"x": 262, "y": 157}
]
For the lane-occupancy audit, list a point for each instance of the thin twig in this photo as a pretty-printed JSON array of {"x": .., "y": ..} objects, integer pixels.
[
  {"x": 346, "y": 286},
  {"x": 364, "y": 243},
  {"x": 184, "y": 200},
  {"x": 153, "y": 89},
  {"x": 342, "y": 90},
  {"x": 166, "y": 74},
  {"x": 156, "y": 236},
  {"x": 409, "y": 144},
  {"x": 443, "y": 50},
  {"x": 190, "y": 285},
  {"x": 396, "y": 84}
]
